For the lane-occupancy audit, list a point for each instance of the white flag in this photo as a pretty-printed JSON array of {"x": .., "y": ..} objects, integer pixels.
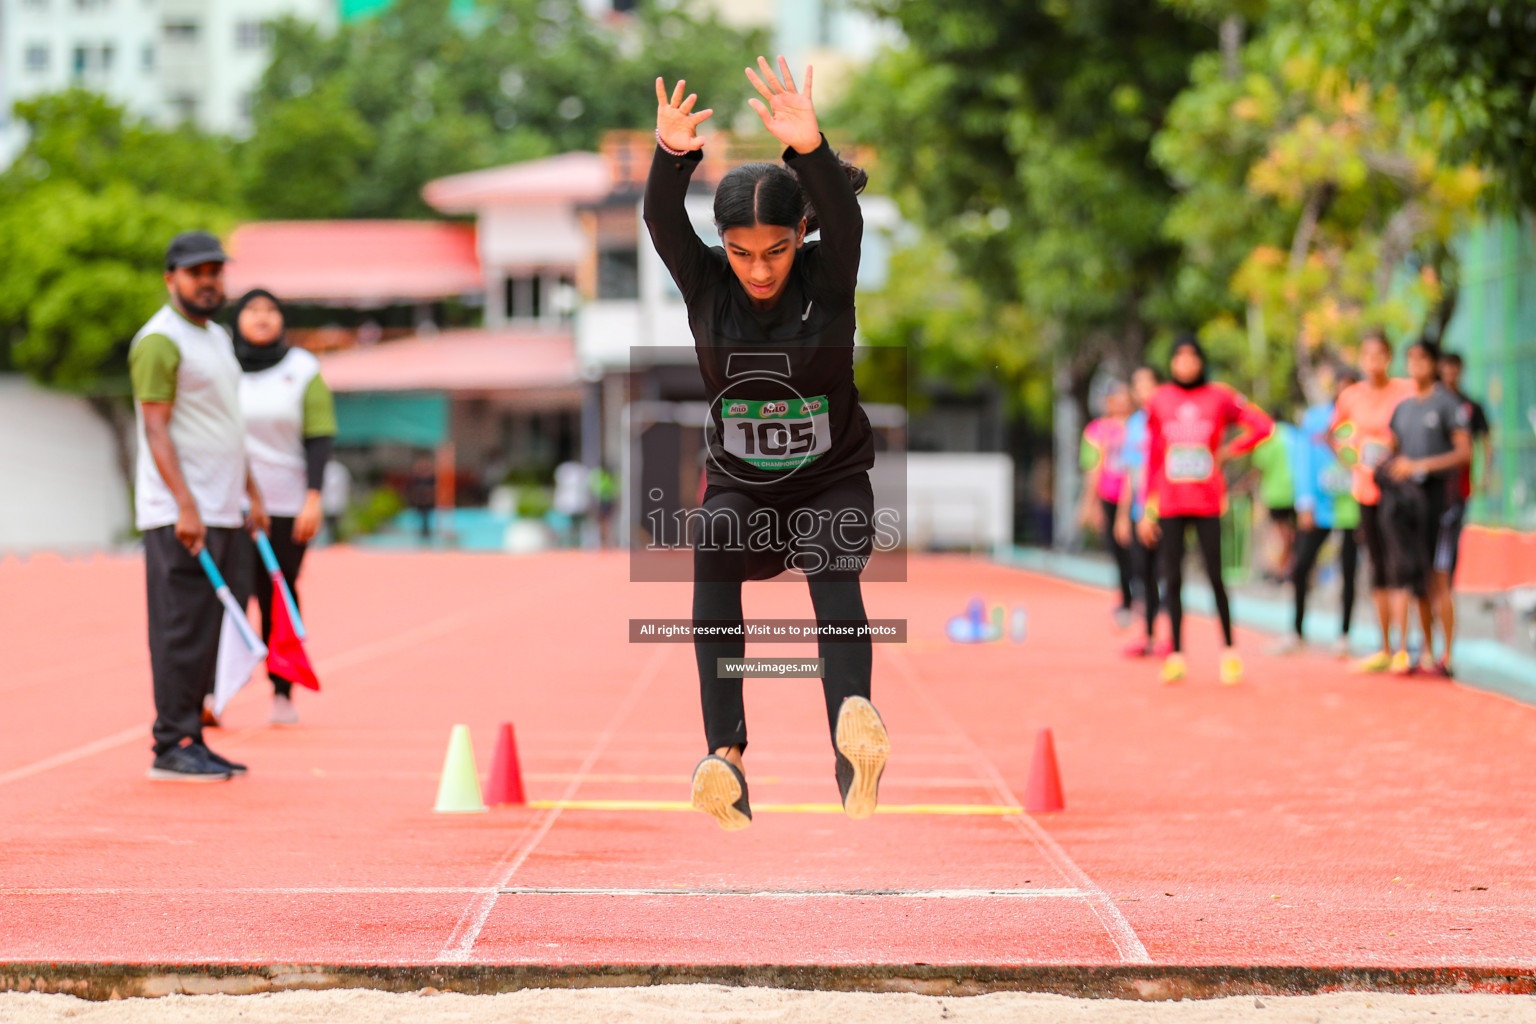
[{"x": 237, "y": 661}]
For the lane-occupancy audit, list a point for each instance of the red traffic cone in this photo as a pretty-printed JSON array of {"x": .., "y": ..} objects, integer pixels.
[
  {"x": 1043, "y": 793},
  {"x": 505, "y": 785}
]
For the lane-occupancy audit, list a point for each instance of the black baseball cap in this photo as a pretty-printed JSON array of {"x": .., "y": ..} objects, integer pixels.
[{"x": 190, "y": 248}]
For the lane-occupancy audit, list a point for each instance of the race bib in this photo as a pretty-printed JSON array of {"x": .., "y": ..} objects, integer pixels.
[
  {"x": 779, "y": 435},
  {"x": 1334, "y": 480},
  {"x": 1189, "y": 463},
  {"x": 1373, "y": 454}
]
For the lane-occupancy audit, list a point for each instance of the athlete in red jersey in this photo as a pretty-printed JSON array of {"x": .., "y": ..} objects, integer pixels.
[{"x": 1187, "y": 422}]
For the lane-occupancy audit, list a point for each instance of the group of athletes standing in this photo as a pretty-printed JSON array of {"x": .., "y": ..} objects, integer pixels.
[{"x": 1382, "y": 462}]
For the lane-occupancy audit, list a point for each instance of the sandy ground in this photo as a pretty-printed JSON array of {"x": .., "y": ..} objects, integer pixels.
[{"x": 680, "y": 1004}]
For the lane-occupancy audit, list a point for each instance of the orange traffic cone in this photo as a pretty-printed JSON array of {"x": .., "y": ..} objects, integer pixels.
[
  {"x": 1043, "y": 792},
  {"x": 505, "y": 786}
]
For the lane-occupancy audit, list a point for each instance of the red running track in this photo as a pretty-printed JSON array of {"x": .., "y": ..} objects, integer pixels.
[{"x": 1305, "y": 818}]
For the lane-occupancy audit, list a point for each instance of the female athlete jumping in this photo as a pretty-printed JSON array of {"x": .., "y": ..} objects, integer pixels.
[
  {"x": 1187, "y": 421},
  {"x": 772, "y": 318}
]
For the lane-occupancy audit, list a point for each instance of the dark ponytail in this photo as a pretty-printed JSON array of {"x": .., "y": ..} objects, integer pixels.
[{"x": 770, "y": 194}]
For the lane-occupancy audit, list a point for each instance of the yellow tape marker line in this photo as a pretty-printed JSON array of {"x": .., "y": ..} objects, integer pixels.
[{"x": 683, "y": 805}]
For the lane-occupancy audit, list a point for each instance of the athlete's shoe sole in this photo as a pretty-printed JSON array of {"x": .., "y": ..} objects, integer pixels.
[
  {"x": 863, "y": 741},
  {"x": 720, "y": 793}
]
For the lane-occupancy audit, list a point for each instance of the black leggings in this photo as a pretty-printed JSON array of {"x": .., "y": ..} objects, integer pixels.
[
  {"x": 1145, "y": 560},
  {"x": 1308, "y": 544},
  {"x": 1171, "y": 549},
  {"x": 1121, "y": 553},
  {"x": 290, "y": 557},
  {"x": 835, "y": 537}
]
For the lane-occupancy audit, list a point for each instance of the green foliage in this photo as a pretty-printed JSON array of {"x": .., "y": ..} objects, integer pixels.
[
  {"x": 354, "y": 123},
  {"x": 1017, "y": 133},
  {"x": 85, "y": 215},
  {"x": 369, "y": 515},
  {"x": 81, "y": 137},
  {"x": 1313, "y": 205},
  {"x": 1469, "y": 63}
]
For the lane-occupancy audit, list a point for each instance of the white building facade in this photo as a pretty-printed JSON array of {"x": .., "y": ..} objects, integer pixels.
[{"x": 167, "y": 60}]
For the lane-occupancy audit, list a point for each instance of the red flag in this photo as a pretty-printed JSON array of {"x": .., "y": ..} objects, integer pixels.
[{"x": 285, "y": 652}]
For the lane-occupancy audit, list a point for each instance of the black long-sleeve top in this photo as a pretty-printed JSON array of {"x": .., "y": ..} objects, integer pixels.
[{"x": 783, "y": 406}]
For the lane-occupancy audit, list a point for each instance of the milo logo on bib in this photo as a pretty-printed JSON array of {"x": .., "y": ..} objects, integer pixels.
[{"x": 778, "y": 435}]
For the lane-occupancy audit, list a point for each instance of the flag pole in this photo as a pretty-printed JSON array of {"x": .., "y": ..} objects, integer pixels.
[
  {"x": 227, "y": 599},
  {"x": 269, "y": 559}
]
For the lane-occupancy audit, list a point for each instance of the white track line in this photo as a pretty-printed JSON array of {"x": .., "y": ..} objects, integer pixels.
[
  {"x": 138, "y": 732},
  {"x": 347, "y": 659},
  {"x": 481, "y": 890},
  {"x": 793, "y": 894},
  {"x": 1124, "y": 937},
  {"x": 461, "y": 942}
]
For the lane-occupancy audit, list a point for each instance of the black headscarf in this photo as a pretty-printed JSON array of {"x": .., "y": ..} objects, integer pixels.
[
  {"x": 254, "y": 357},
  {"x": 1184, "y": 341}
]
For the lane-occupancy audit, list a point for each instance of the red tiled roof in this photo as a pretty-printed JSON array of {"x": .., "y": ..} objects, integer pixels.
[
  {"x": 355, "y": 262},
  {"x": 571, "y": 177},
  {"x": 463, "y": 360}
]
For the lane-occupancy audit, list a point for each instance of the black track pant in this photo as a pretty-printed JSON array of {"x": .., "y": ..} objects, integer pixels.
[
  {"x": 1121, "y": 553},
  {"x": 290, "y": 557},
  {"x": 1145, "y": 561},
  {"x": 1308, "y": 544},
  {"x": 832, "y": 551},
  {"x": 184, "y": 621},
  {"x": 1171, "y": 549}
]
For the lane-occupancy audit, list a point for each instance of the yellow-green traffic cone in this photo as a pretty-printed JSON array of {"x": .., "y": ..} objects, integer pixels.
[{"x": 459, "y": 790}]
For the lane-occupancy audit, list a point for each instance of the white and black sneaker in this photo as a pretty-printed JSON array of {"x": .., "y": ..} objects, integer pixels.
[
  {"x": 188, "y": 764},
  {"x": 720, "y": 791},
  {"x": 862, "y": 747}
]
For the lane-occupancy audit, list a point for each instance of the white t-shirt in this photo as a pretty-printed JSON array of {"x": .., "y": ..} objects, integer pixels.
[
  {"x": 205, "y": 426},
  {"x": 272, "y": 401}
]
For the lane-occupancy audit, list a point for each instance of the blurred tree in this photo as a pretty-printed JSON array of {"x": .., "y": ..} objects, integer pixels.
[
  {"x": 1471, "y": 63},
  {"x": 1319, "y": 204},
  {"x": 354, "y": 123},
  {"x": 1017, "y": 132},
  {"x": 86, "y": 211}
]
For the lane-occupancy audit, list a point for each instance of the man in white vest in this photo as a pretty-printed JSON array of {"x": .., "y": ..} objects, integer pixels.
[{"x": 191, "y": 490}]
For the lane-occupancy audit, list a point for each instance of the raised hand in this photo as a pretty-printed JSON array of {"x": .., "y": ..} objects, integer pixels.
[
  {"x": 789, "y": 115},
  {"x": 675, "y": 120}
]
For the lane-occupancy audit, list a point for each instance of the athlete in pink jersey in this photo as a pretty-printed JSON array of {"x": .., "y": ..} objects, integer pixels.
[
  {"x": 1104, "y": 478},
  {"x": 1187, "y": 422}
]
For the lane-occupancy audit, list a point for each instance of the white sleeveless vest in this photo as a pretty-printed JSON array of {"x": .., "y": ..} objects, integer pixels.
[
  {"x": 205, "y": 425},
  {"x": 272, "y": 402}
]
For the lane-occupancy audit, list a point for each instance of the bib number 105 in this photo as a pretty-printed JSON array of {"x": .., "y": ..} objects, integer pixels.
[{"x": 778, "y": 435}]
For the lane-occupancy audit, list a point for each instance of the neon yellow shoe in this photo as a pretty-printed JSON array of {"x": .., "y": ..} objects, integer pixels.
[
  {"x": 1378, "y": 662},
  {"x": 1231, "y": 669},
  {"x": 1401, "y": 664},
  {"x": 1173, "y": 669}
]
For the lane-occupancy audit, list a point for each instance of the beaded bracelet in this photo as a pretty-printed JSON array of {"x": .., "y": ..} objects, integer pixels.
[{"x": 668, "y": 149}]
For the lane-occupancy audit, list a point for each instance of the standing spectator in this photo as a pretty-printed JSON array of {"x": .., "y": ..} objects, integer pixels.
[
  {"x": 1103, "y": 482},
  {"x": 1323, "y": 504},
  {"x": 1456, "y": 515},
  {"x": 1277, "y": 491},
  {"x": 1187, "y": 424},
  {"x": 421, "y": 494},
  {"x": 1450, "y": 375},
  {"x": 1133, "y": 497},
  {"x": 335, "y": 496},
  {"x": 290, "y": 426},
  {"x": 191, "y": 483},
  {"x": 1432, "y": 441},
  {"x": 1361, "y": 434}
]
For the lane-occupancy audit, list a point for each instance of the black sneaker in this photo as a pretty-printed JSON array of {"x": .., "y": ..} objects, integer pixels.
[
  {"x": 233, "y": 767},
  {"x": 187, "y": 764},
  {"x": 862, "y": 747},
  {"x": 720, "y": 790}
]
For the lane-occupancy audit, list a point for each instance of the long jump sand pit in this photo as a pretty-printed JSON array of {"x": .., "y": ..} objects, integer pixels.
[{"x": 683, "y": 1004}]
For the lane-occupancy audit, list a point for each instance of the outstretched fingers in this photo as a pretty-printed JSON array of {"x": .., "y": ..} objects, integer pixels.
[
  {"x": 759, "y": 85},
  {"x": 677, "y": 93},
  {"x": 788, "y": 79},
  {"x": 762, "y": 111}
]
